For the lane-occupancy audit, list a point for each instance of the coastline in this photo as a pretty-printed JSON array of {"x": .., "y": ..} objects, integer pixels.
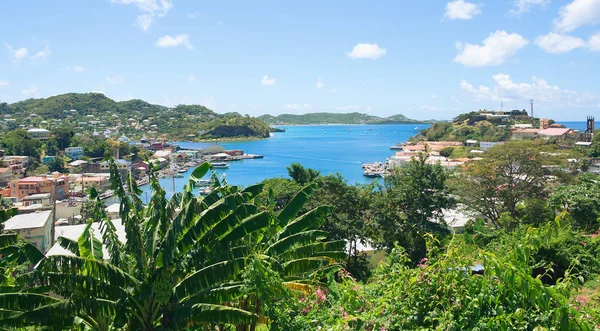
[{"x": 340, "y": 124}]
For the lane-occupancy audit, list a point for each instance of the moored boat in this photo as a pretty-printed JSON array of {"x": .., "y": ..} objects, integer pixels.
[{"x": 221, "y": 165}]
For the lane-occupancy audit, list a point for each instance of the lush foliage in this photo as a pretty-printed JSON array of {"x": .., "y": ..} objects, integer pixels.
[{"x": 335, "y": 118}]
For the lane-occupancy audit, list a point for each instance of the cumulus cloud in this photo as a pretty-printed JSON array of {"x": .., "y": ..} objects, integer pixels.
[
  {"x": 31, "y": 90},
  {"x": 366, "y": 51},
  {"x": 115, "y": 80},
  {"x": 461, "y": 10},
  {"x": 41, "y": 54},
  {"x": 433, "y": 97},
  {"x": 150, "y": 10},
  {"x": 556, "y": 43},
  {"x": 505, "y": 89},
  {"x": 495, "y": 50},
  {"x": 178, "y": 40},
  {"x": 267, "y": 81},
  {"x": 4, "y": 82},
  {"x": 320, "y": 83},
  {"x": 577, "y": 13},
  {"x": 594, "y": 42},
  {"x": 524, "y": 6},
  {"x": 191, "y": 78},
  {"x": 18, "y": 53}
]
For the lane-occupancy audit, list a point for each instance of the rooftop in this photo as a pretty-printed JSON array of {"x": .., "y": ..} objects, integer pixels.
[
  {"x": 28, "y": 221},
  {"x": 37, "y": 196},
  {"x": 554, "y": 132},
  {"x": 74, "y": 231}
]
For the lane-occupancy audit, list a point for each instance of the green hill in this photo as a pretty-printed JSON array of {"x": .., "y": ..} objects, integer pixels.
[
  {"x": 94, "y": 112},
  {"x": 334, "y": 118}
]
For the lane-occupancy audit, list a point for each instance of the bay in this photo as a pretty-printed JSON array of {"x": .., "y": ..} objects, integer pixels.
[{"x": 328, "y": 148}]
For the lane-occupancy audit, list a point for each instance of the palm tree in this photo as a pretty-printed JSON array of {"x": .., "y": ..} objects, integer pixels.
[{"x": 180, "y": 266}]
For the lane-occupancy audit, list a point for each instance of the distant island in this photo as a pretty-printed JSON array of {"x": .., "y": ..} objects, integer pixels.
[
  {"x": 337, "y": 118},
  {"x": 95, "y": 114}
]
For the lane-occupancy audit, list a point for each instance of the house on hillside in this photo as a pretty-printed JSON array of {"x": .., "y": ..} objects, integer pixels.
[
  {"x": 555, "y": 133},
  {"x": 33, "y": 227},
  {"x": 521, "y": 134}
]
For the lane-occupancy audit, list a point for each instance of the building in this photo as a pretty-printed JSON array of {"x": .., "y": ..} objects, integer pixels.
[
  {"x": 555, "y": 133},
  {"x": 74, "y": 152},
  {"x": 33, "y": 227},
  {"x": 485, "y": 145},
  {"x": 544, "y": 123},
  {"x": 471, "y": 142},
  {"x": 57, "y": 186},
  {"x": 73, "y": 232},
  {"x": 521, "y": 134},
  {"x": 6, "y": 176},
  {"x": 42, "y": 199},
  {"x": 41, "y": 134}
]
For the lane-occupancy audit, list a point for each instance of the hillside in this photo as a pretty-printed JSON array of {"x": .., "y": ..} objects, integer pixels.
[
  {"x": 334, "y": 118},
  {"x": 87, "y": 113}
]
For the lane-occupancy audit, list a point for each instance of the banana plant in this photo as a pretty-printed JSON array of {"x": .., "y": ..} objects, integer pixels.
[{"x": 180, "y": 265}]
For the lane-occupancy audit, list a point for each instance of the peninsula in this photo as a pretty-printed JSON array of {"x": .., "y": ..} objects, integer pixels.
[{"x": 337, "y": 118}]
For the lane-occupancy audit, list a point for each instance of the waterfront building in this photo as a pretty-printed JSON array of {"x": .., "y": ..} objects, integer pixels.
[{"x": 57, "y": 186}]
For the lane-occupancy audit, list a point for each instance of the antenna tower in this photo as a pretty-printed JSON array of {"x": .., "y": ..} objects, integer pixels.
[{"x": 531, "y": 103}]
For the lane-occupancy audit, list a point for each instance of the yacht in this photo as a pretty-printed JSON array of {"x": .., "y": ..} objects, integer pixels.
[
  {"x": 204, "y": 182},
  {"x": 221, "y": 165}
]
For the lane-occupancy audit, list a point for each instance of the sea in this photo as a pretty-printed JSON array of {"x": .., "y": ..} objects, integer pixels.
[{"x": 330, "y": 149}]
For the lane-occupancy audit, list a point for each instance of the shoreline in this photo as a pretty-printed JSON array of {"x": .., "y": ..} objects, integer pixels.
[{"x": 339, "y": 124}]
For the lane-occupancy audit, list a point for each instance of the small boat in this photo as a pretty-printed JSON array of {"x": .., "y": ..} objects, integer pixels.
[
  {"x": 416, "y": 128},
  {"x": 177, "y": 176},
  {"x": 206, "y": 191},
  {"x": 396, "y": 147},
  {"x": 181, "y": 171},
  {"x": 221, "y": 165},
  {"x": 204, "y": 182}
]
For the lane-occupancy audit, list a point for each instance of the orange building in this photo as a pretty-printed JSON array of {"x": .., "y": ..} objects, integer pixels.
[{"x": 57, "y": 186}]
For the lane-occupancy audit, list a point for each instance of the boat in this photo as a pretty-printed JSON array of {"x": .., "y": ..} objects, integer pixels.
[
  {"x": 182, "y": 170},
  {"x": 221, "y": 165},
  {"x": 396, "y": 147},
  {"x": 206, "y": 191},
  {"x": 204, "y": 182},
  {"x": 373, "y": 174},
  {"x": 178, "y": 175},
  {"x": 416, "y": 128}
]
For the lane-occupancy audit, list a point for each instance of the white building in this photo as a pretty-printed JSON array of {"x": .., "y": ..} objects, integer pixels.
[
  {"x": 41, "y": 134},
  {"x": 74, "y": 152},
  {"x": 485, "y": 145},
  {"x": 34, "y": 227}
]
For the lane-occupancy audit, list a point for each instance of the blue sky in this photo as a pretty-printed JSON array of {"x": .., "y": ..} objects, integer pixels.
[{"x": 424, "y": 59}]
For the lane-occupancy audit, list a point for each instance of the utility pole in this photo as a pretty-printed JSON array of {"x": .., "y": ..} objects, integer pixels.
[{"x": 531, "y": 103}]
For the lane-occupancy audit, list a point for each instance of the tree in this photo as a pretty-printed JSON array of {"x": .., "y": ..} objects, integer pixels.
[
  {"x": 18, "y": 142},
  {"x": 62, "y": 136},
  {"x": 56, "y": 164},
  {"x": 581, "y": 200},
  {"x": 410, "y": 205},
  {"x": 181, "y": 266},
  {"x": 509, "y": 174},
  {"x": 446, "y": 151},
  {"x": 302, "y": 175}
]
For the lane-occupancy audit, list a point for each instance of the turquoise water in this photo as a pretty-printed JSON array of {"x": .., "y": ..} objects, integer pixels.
[{"x": 328, "y": 148}]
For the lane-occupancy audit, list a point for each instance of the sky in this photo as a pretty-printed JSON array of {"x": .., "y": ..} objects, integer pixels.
[{"x": 425, "y": 59}]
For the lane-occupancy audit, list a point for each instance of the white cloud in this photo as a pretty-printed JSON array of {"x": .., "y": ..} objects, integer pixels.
[
  {"x": 17, "y": 54},
  {"x": 333, "y": 90},
  {"x": 150, "y": 10},
  {"x": 576, "y": 14},
  {"x": 191, "y": 78},
  {"x": 115, "y": 80},
  {"x": 320, "y": 83},
  {"x": 495, "y": 50},
  {"x": 366, "y": 51},
  {"x": 556, "y": 43},
  {"x": 4, "y": 82},
  {"x": 267, "y": 81},
  {"x": 144, "y": 21},
  {"x": 42, "y": 54},
  {"x": 78, "y": 69},
  {"x": 433, "y": 97},
  {"x": 505, "y": 89},
  {"x": 462, "y": 10},
  {"x": 31, "y": 90},
  {"x": 524, "y": 6},
  {"x": 193, "y": 15},
  {"x": 594, "y": 42},
  {"x": 178, "y": 40}
]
